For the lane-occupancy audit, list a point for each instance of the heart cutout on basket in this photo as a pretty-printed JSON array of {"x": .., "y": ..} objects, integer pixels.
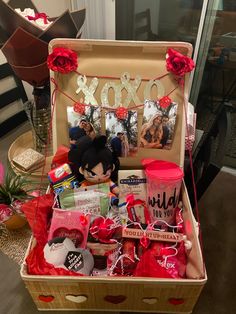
[
  {"x": 176, "y": 301},
  {"x": 46, "y": 298},
  {"x": 150, "y": 301},
  {"x": 76, "y": 298},
  {"x": 115, "y": 299}
]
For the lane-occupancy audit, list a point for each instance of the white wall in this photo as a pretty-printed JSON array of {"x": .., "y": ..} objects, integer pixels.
[
  {"x": 52, "y": 7},
  {"x": 100, "y": 18}
]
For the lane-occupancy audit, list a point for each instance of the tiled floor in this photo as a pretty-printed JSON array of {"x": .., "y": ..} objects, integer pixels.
[{"x": 218, "y": 220}]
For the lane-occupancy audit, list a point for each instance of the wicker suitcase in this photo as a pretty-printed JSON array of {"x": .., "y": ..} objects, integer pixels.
[{"x": 108, "y": 58}]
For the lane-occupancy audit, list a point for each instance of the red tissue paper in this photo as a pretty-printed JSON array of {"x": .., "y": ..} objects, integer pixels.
[
  {"x": 38, "y": 213},
  {"x": 37, "y": 265}
]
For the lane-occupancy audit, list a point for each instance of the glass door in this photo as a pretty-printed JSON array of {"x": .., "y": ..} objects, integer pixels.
[{"x": 158, "y": 19}]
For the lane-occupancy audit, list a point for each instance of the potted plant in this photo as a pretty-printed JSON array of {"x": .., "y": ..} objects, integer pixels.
[{"x": 14, "y": 191}]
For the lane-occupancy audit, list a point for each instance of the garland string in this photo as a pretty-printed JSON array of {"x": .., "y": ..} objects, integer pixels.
[
  {"x": 117, "y": 78},
  {"x": 102, "y": 107},
  {"x": 193, "y": 178}
]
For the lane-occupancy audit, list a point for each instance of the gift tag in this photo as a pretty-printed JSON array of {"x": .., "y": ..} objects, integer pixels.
[{"x": 74, "y": 261}]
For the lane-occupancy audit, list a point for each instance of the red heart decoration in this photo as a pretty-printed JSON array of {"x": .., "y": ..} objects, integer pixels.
[
  {"x": 165, "y": 101},
  {"x": 121, "y": 113},
  {"x": 46, "y": 298},
  {"x": 79, "y": 108},
  {"x": 145, "y": 241},
  {"x": 115, "y": 299},
  {"x": 176, "y": 301}
]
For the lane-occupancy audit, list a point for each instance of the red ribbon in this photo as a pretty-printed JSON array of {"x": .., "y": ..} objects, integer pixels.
[{"x": 38, "y": 16}]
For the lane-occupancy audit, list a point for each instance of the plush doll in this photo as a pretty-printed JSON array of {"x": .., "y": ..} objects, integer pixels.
[{"x": 96, "y": 163}]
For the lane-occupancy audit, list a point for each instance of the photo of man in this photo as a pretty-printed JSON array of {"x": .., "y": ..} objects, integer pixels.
[{"x": 122, "y": 134}]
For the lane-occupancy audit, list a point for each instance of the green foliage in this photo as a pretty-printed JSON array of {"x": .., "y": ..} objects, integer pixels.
[{"x": 14, "y": 187}]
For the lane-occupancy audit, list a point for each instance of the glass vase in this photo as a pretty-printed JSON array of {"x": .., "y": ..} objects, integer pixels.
[{"x": 38, "y": 111}]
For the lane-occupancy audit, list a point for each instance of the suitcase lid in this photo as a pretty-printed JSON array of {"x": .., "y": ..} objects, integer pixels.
[{"x": 114, "y": 58}]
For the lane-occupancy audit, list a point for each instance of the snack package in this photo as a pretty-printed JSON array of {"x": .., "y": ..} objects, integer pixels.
[
  {"x": 137, "y": 210},
  {"x": 70, "y": 224},
  {"x": 93, "y": 202},
  {"x": 62, "y": 178},
  {"x": 162, "y": 261},
  {"x": 132, "y": 182},
  {"x": 100, "y": 251},
  {"x": 123, "y": 262}
]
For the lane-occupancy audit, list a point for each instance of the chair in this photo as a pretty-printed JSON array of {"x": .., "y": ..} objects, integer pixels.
[
  {"x": 7, "y": 98},
  {"x": 142, "y": 26},
  {"x": 209, "y": 158}
]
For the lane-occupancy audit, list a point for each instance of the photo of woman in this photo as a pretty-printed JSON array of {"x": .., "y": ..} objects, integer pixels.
[
  {"x": 151, "y": 133},
  {"x": 158, "y": 125},
  {"x": 90, "y": 131},
  {"x": 124, "y": 146}
]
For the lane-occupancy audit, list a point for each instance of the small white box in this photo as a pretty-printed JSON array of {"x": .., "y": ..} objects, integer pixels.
[{"x": 132, "y": 182}]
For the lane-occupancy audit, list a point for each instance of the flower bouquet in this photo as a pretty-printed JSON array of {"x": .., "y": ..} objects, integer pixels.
[
  {"x": 14, "y": 192},
  {"x": 24, "y": 36}
]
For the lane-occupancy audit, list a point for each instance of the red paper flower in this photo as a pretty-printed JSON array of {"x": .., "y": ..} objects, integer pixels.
[
  {"x": 165, "y": 101},
  {"x": 5, "y": 212},
  {"x": 83, "y": 220},
  {"x": 121, "y": 113},
  {"x": 103, "y": 229},
  {"x": 177, "y": 63},
  {"x": 62, "y": 60},
  {"x": 79, "y": 108}
]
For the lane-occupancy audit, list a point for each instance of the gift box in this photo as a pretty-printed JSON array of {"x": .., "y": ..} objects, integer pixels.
[
  {"x": 29, "y": 160},
  {"x": 123, "y": 294},
  {"x": 61, "y": 178}
]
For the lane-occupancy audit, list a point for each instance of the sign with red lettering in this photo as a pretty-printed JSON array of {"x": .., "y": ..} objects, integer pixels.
[{"x": 152, "y": 235}]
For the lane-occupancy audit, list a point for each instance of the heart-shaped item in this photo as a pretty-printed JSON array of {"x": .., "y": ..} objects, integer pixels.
[
  {"x": 74, "y": 234},
  {"x": 150, "y": 300},
  {"x": 144, "y": 241},
  {"x": 115, "y": 299},
  {"x": 77, "y": 298},
  {"x": 46, "y": 298},
  {"x": 176, "y": 301}
]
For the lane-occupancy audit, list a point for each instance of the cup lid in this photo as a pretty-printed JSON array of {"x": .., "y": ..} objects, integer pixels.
[{"x": 162, "y": 169}]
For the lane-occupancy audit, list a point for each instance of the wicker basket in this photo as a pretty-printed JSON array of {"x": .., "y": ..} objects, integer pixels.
[
  {"x": 16, "y": 221},
  {"x": 122, "y": 294},
  {"x": 23, "y": 142}
]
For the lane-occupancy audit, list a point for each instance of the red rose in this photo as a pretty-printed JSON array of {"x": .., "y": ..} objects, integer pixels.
[
  {"x": 177, "y": 63},
  {"x": 62, "y": 60}
]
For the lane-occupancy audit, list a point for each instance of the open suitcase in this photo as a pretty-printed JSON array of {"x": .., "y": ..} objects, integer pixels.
[{"x": 114, "y": 58}]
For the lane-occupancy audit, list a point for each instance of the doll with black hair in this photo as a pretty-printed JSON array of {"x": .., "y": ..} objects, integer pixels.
[{"x": 96, "y": 163}]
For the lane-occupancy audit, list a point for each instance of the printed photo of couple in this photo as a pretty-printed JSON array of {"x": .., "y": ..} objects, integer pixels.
[
  {"x": 158, "y": 125},
  {"x": 122, "y": 134},
  {"x": 80, "y": 125}
]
